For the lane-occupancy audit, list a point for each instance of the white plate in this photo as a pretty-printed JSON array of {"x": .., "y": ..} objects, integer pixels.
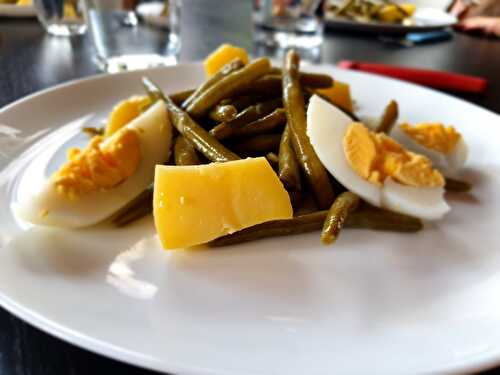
[
  {"x": 12, "y": 10},
  {"x": 426, "y": 19},
  {"x": 374, "y": 303}
]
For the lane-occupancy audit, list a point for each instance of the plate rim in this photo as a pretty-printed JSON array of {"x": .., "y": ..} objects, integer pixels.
[{"x": 106, "y": 349}]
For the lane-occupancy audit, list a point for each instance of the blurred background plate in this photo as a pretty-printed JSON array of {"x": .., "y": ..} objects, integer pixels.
[{"x": 426, "y": 19}]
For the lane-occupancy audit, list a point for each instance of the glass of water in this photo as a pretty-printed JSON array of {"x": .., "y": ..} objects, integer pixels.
[
  {"x": 61, "y": 17},
  {"x": 134, "y": 34},
  {"x": 288, "y": 23}
]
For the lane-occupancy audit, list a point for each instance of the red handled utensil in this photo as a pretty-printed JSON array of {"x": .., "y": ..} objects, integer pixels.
[{"x": 432, "y": 78}]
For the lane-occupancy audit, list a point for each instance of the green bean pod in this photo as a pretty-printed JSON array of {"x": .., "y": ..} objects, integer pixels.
[
  {"x": 389, "y": 118},
  {"x": 140, "y": 206},
  {"x": 184, "y": 152},
  {"x": 268, "y": 86},
  {"x": 258, "y": 145},
  {"x": 272, "y": 158},
  {"x": 247, "y": 116},
  {"x": 365, "y": 217},
  {"x": 267, "y": 124},
  {"x": 242, "y": 102},
  {"x": 289, "y": 170},
  {"x": 194, "y": 133},
  {"x": 337, "y": 215},
  {"x": 309, "y": 162},
  {"x": 230, "y": 67},
  {"x": 227, "y": 86},
  {"x": 312, "y": 80},
  {"x": 180, "y": 96},
  {"x": 223, "y": 113},
  {"x": 456, "y": 186}
]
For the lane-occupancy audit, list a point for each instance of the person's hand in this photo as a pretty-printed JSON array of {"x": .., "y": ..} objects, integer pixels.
[{"x": 487, "y": 25}]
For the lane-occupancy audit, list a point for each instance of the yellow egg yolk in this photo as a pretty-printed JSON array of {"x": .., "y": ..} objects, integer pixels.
[
  {"x": 376, "y": 156},
  {"x": 103, "y": 164},
  {"x": 434, "y": 136},
  {"x": 126, "y": 111}
]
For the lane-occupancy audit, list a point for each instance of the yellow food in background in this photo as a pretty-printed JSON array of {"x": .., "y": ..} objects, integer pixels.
[
  {"x": 409, "y": 8},
  {"x": 221, "y": 56},
  {"x": 339, "y": 94},
  {"x": 24, "y": 3},
  {"x": 375, "y": 156},
  {"x": 195, "y": 204},
  {"x": 125, "y": 111},
  {"x": 103, "y": 164},
  {"x": 391, "y": 14},
  {"x": 69, "y": 11},
  {"x": 435, "y": 136}
]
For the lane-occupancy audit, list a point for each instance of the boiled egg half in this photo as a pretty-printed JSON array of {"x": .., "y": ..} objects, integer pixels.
[
  {"x": 374, "y": 166},
  {"x": 101, "y": 178},
  {"x": 443, "y": 145}
]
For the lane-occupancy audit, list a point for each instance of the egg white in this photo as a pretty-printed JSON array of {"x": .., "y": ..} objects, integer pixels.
[
  {"x": 326, "y": 127},
  {"x": 155, "y": 135},
  {"x": 449, "y": 163}
]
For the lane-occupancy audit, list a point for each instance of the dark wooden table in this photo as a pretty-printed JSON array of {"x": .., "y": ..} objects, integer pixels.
[{"x": 30, "y": 60}]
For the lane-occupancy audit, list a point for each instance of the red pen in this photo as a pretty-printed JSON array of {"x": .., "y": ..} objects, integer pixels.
[{"x": 432, "y": 78}]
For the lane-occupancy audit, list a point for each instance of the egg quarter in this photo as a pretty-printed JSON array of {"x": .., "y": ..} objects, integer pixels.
[
  {"x": 110, "y": 178},
  {"x": 373, "y": 165}
]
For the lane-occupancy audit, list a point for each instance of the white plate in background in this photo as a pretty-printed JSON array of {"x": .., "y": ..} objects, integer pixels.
[{"x": 426, "y": 19}]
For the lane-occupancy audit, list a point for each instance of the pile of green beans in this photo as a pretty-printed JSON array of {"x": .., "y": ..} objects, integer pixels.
[
  {"x": 366, "y": 10},
  {"x": 258, "y": 110}
]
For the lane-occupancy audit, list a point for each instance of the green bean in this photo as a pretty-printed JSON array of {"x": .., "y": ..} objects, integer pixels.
[
  {"x": 289, "y": 172},
  {"x": 230, "y": 67},
  {"x": 179, "y": 97},
  {"x": 247, "y": 116},
  {"x": 312, "y": 80},
  {"x": 242, "y": 102},
  {"x": 272, "y": 158},
  {"x": 194, "y": 133},
  {"x": 184, "y": 152},
  {"x": 337, "y": 215},
  {"x": 222, "y": 113},
  {"x": 293, "y": 100},
  {"x": 267, "y": 86},
  {"x": 139, "y": 207},
  {"x": 270, "y": 85},
  {"x": 267, "y": 124},
  {"x": 228, "y": 86},
  {"x": 457, "y": 186},
  {"x": 307, "y": 205},
  {"x": 388, "y": 118},
  {"x": 365, "y": 217},
  {"x": 258, "y": 145}
]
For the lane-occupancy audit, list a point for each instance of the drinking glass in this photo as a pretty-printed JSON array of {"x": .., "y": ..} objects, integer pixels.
[
  {"x": 61, "y": 17},
  {"x": 288, "y": 23},
  {"x": 131, "y": 34}
]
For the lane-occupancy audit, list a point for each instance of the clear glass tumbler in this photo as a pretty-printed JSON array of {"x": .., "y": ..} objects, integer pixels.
[
  {"x": 288, "y": 23},
  {"x": 134, "y": 34},
  {"x": 61, "y": 17}
]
